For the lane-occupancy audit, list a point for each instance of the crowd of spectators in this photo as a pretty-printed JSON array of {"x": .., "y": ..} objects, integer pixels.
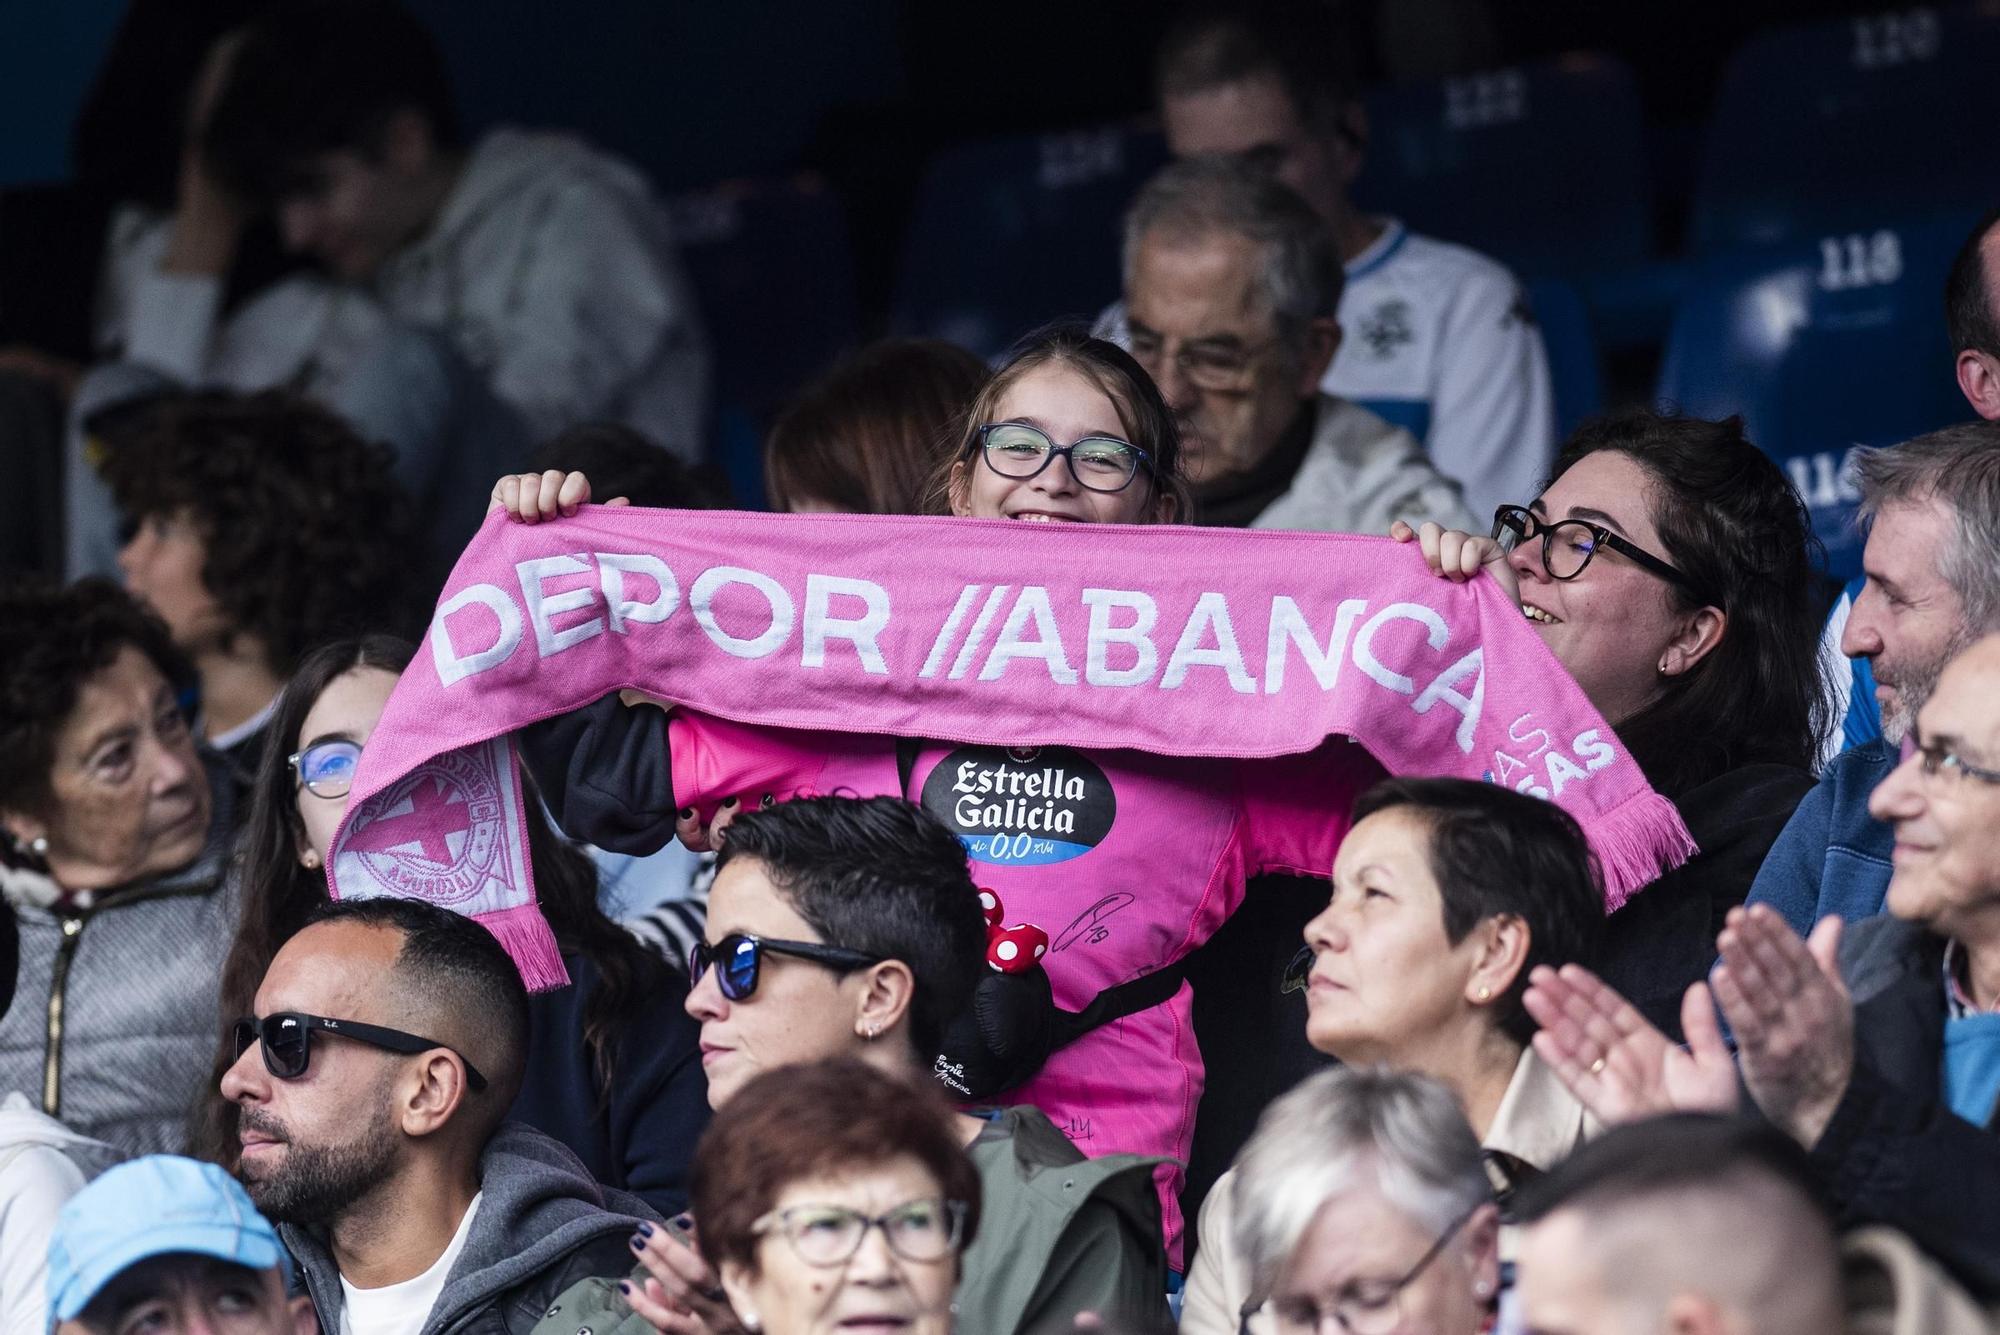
[{"x": 779, "y": 1091}]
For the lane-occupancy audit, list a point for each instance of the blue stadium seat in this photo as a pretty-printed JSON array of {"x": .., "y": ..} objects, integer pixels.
[
  {"x": 1009, "y": 234},
  {"x": 1823, "y": 345},
  {"x": 774, "y": 274},
  {"x": 1542, "y": 167},
  {"x": 1573, "y": 367},
  {"x": 1831, "y": 126}
]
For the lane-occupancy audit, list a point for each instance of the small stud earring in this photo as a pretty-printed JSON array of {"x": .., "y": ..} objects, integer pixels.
[
  {"x": 39, "y": 845},
  {"x": 870, "y": 1031},
  {"x": 1483, "y": 1289},
  {"x": 1485, "y": 994},
  {"x": 309, "y": 859}
]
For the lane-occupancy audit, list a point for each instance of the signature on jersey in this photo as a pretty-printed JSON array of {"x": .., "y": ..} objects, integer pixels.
[{"x": 1089, "y": 926}]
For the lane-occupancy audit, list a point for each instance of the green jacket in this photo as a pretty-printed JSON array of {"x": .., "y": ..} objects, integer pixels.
[{"x": 1059, "y": 1234}]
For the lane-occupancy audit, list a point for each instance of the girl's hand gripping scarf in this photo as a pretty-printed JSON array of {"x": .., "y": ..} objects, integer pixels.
[{"x": 1178, "y": 641}]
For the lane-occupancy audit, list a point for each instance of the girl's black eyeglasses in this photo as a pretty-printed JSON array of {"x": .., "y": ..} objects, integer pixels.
[{"x": 1568, "y": 545}]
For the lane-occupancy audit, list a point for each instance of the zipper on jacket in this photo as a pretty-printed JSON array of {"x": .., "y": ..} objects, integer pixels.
[{"x": 72, "y": 929}]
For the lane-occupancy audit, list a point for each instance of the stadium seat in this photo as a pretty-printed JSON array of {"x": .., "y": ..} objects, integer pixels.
[
  {"x": 1573, "y": 367},
  {"x": 1009, "y": 234},
  {"x": 1823, "y": 345},
  {"x": 1830, "y": 126},
  {"x": 1542, "y": 167},
  {"x": 774, "y": 276}
]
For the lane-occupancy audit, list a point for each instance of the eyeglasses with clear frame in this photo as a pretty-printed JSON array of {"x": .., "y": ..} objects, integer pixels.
[
  {"x": 1568, "y": 545},
  {"x": 326, "y": 769},
  {"x": 1936, "y": 759},
  {"x": 924, "y": 1230},
  {"x": 1361, "y": 1307},
  {"x": 1098, "y": 463}
]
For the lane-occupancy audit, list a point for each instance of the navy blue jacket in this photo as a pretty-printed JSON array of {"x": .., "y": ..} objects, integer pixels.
[
  {"x": 1894, "y": 1153},
  {"x": 641, "y": 1138},
  {"x": 1833, "y": 857}
]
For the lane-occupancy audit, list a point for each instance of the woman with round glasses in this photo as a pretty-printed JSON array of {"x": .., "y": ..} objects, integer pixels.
[
  {"x": 843, "y": 928},
  {"x": 1361, "y": 1206},
  {"x": 1070, "y": 430},
  {"x": 613, "y": 1069},
  {"x": 1669, "y": 566},
  {"x": 1159, "y": 849},
  {"x": 835, "y": 1198}
]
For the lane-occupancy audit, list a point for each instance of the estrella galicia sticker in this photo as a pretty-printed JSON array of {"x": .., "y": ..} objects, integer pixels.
[{"x": 1022, "y": 807}]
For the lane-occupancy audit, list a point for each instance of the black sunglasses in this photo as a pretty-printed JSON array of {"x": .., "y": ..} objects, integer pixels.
[
  {"x": 287, "y": 1040},
  {"x": 1568, "y": 545},
  {"x": 739, "y": 957}
]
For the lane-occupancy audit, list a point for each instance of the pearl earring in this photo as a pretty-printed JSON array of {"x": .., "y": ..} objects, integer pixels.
[
  {"x": 39, "y": 845},
  {"x": 309, "y": 859},
  {"x": 1485, "y": 994}
]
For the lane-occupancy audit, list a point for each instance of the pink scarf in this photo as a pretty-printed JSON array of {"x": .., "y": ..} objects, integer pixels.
[{"x": 1178, "y": 641}]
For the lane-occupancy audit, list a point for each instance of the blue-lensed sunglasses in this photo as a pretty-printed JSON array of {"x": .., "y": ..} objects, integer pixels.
[{"x": 739, "y": 958}]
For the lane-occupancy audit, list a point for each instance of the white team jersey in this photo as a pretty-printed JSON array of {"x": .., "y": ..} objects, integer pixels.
[{"x": 1439, "y": 340}]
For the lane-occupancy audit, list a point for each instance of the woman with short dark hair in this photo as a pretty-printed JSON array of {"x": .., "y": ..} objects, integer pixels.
[
  {"x": 1446, "y": 894},
  {"x": 832, "y": 1195},
  {"x": 113, "y": 836}
]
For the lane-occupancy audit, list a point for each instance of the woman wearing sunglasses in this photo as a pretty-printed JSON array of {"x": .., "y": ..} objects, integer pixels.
[
  {"x": 1156, "y": 851},
  {"x": 850, "y": 928},
  {"x": 1669, "y": 566},
  {"x": 834, "y": 1198},
  {"x": 613, "y": 1069}
]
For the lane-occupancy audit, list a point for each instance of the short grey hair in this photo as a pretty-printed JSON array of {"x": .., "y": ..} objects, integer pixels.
[
  {"x": 1958, "y": 467},
  {"x": 1401, "y": 1133},
  {"x": 1227, "y": 195}
]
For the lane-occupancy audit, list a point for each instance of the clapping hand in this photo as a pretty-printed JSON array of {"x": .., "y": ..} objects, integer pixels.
[
  {"x": 1792, "y": 1017},
  {"x": 681, "y": 1295},
  {"x": 1616, "y": 1063}
]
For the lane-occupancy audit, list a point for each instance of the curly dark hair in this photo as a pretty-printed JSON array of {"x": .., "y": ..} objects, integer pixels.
[
  {"x": 306, "y": 530},
  {"x": 52, "y": 640}
]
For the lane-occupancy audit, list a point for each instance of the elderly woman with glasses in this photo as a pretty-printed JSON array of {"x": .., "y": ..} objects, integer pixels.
[
  {"x": 1669, "y": 566},
  {"x": 833, "y": 1197},
  {"x": 613, "y": 1070},
  {"x": 1361, "y": 1207}
]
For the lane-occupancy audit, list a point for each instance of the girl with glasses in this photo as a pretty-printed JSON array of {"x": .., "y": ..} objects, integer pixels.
[
  {"x": 1128, "y": 861},
  {"x": 1670, "y": 567},
  {"x": 613, "y": 1070}
]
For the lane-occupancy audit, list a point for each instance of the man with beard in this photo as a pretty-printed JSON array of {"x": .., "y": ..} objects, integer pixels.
[
  {"x": 1931, "y": 587},
  {"x": 387, "y": 1046},
  {"x": 1231, "y": 284}
]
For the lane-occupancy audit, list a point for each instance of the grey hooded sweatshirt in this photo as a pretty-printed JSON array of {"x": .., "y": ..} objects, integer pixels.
[{"x": 543, "y": 1224}]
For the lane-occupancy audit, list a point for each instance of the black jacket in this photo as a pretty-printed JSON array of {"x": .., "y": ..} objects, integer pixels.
[
  {"x": 641, "y": 1138},
  {"x": 1664, "y": 937},
  {"x": 605, "y": 774},
  {"x": 1894, "y": 1153},
  {"x": 542, "y": 1225}
]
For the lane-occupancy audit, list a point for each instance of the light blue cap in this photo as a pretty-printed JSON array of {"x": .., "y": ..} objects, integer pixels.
[{"x": 151, "y": 1207}]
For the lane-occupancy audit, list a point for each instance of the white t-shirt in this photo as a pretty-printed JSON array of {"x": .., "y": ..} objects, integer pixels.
[
  {"x": 1439, "y": 340},
  {"x": 402, "y": 1309}
]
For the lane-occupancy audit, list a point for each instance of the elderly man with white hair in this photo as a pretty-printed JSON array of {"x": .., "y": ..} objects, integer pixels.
[
  {"x": 1363, "y": 1198},
  {"x": 1881, "y": 1053}
]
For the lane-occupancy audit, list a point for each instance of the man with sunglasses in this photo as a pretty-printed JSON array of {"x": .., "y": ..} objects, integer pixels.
[{"x": 388, "y": 1042}]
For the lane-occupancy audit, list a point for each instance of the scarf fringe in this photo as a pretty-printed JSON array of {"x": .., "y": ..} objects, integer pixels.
[
  {"x": 531, "y": 943},
  {"x": 1637, "y": 842}
]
